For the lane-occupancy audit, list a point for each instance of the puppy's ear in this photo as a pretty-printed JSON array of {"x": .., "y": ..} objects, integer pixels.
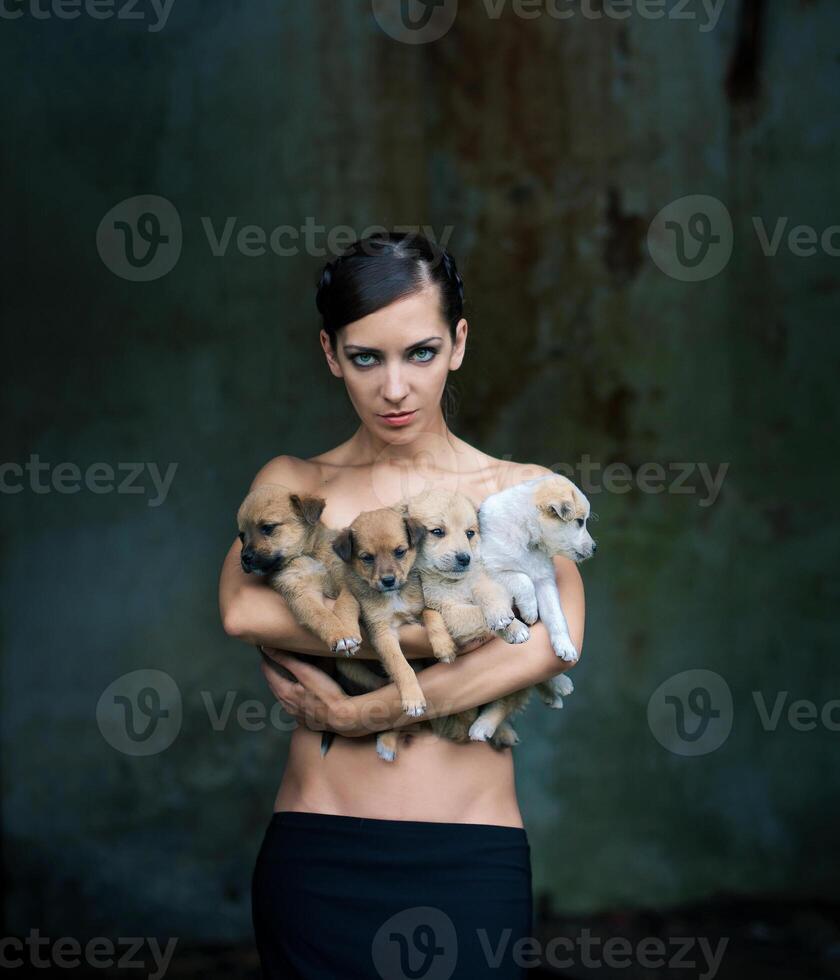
[
  {"x": 563, "y": 509},
  {"x": 343, "y": 544},
  {"x": 309, "y": 507},
  {"x": 415, "y": 531}
]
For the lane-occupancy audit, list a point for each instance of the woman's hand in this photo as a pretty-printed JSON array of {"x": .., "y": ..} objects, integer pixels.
[{"x": 315, "y": 699}]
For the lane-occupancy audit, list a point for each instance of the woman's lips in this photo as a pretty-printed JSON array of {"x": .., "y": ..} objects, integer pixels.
[{"x": 402, "y": 419}]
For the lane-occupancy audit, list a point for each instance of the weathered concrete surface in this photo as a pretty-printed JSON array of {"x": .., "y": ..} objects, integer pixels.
[{"x": 543, "y": 149}]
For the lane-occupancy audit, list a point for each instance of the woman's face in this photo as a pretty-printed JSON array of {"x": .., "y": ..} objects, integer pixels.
[{"x": 394, "y": 363}]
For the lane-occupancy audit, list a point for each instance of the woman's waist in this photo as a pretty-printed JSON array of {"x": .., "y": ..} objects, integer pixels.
[{"x": 432, "y": 778}]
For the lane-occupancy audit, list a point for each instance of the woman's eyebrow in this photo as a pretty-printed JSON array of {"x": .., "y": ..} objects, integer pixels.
[{"x": 376, "y": 350}]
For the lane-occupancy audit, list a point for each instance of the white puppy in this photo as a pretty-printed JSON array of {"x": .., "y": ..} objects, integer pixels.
[{"x": 522, "y": 529}]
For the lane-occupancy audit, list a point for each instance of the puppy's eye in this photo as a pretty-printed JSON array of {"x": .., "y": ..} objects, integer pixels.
[
  {"x": 580, "y": 522},
  {"x": 367, "y": 559},
  {"x": 241, "y": 537},
  {"x": 268, "y": 528},
  {"x": 470, "y": 535},
  {"x": 399, "y": 552},
  {"x": 437, "y": 531}
]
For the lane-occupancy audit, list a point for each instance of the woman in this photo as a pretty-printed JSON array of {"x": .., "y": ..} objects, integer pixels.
[{"x": 419, "y": 867}]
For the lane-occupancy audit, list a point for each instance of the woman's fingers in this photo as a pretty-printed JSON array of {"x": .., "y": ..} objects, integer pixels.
[
  {"x": 311, "y": 695},
  {"x": 273, "y": 652},
  {"x": 285, "y": 691}
]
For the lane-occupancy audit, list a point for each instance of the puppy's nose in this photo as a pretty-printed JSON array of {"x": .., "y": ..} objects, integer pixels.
[
  {"x": 247, "y": 558},
  {"x": 388, "y": 581},
  {"x": 463, "y": 559},
  {"x": 594, "y": 547}
]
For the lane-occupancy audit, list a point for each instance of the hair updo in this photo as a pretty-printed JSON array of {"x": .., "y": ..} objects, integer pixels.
[{"x": 382, "y": 268}]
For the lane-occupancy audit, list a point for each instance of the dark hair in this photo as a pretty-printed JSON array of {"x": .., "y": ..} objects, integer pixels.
[{"x": 376, "y": 271}]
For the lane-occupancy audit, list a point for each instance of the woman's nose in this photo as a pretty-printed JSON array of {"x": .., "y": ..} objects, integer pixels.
[{"x": 395, "y": 386}]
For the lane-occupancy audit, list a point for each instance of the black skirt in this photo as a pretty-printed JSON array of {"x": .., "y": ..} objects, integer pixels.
[{"x": 350, "y": 898}]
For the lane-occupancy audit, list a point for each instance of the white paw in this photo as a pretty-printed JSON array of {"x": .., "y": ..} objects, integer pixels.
[
  {"x": 516, "y": 633},
  {"x": 499, "y": 621},
  {"x": 562, "y": 645},
  {"x": 554, "y": 701},
  {"x": 347, "y": 645},
  {"x": 528, "y": 612},
  {"x": 562, "y": 684},
  {"x": 384, "y": 752},
  {"x": 481, "y": 729},
  {"x": 414, "y": 708}
]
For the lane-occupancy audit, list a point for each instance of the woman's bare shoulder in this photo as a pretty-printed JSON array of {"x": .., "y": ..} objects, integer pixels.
[
  {"x": 297, "y": 474},
  {"x": 504, "y": 473}
]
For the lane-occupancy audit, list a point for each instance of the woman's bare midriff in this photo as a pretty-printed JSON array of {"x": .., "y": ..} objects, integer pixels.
[{"x": 432, "y": 779}]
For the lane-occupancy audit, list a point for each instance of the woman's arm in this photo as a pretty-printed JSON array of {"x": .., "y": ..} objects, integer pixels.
[{"x": 477, "y": 678}]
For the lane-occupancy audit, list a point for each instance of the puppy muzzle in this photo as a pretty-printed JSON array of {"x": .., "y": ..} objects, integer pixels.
[{"x": 259, "y": 566}]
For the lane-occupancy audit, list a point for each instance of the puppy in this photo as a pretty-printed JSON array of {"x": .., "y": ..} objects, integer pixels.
[
  {"x": 454, "y": 580},
  {"x": 522, "y": 529},
  {"x": 284, "y": 539},
  {"x": 379, "y": 550}
]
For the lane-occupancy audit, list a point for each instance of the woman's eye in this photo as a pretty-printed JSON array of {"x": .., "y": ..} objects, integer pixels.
[
  {"x": 399, "y": 552},
  {"x": 438, "y": 532},
  {"x": 580, "y": 522},
  {"x": 358, "y": 359},
  {"x": 428, "y": 352}
]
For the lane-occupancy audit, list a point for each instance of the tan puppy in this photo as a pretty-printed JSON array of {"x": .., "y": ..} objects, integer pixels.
[
  {"x": 455, "y": 581},
  {"x": 284, "y": 539},
  {"x": 456, "y": 584},
  {"x": 379, "y": 550}
]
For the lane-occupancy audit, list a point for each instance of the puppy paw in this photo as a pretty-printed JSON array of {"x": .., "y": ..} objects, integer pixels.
[
  {"x": 482, "y": 729},
  {"x": 414, "y": 707},
  {"x": 516, "y": 633},
  {"x": 347, "y": 645},
  {"x": 562, "y": 645},
  {"x": 497, "y": 621},
  {"x": 445, "y": 651},
  {"x": 562, "y": 684},
  {"x": 385, "y": 751},
  {"x": 505, "y": 736},
  {"x": 553, "y": 700},
  {"x": 528, "y": 612}
]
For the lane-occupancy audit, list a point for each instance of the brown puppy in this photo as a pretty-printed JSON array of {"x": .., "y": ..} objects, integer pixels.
[
  {"x": 380, "y": 549},
  {"x": 284, "y": 539}
]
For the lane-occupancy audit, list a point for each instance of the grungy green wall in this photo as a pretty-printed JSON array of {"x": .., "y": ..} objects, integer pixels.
[{"x": 540, "y": 150}]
